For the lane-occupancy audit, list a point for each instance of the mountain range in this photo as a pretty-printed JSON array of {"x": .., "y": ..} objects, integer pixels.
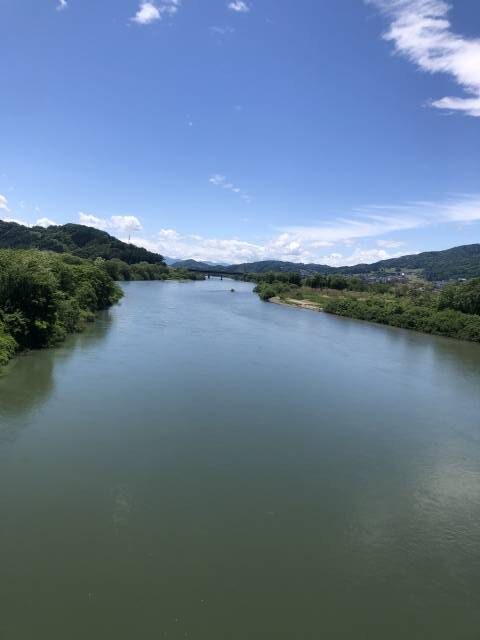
[
  {"x": 88, "y": 242},
  {"x": 458, "y": 262}
]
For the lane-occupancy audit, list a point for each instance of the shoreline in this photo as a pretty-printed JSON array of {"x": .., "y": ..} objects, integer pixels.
[{"x": 299, "y": 304}]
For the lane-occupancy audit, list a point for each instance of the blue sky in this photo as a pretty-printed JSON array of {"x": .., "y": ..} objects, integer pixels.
[{"x": 337, "y": 132}]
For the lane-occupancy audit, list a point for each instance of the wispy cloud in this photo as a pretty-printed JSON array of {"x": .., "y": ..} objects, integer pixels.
[
  {"x": 115, "y": 223},
  {"x": 325, "y": 243},
  {"x": 367, "y": 234},
  {"x": 222, "y": 31},
  {"x": 389, "y": 244},
  {"x": 3, "y": 203},
  {"x": 420, "y": 30},
  {"x": 239, "y": 6},
  {"x": 149, "y": 12},
  {"x": 62, "y": 4},
  {"x": 234, "y": 250},
  {"x": 221, "y": 181}
]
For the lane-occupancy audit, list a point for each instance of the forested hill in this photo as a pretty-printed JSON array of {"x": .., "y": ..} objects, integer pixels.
[
  {"x": 196, "y": 264},
  {"x": 77, "y": 239},
  {"x": 459, "y": 262},
  {"x": 278, "y": 266}
]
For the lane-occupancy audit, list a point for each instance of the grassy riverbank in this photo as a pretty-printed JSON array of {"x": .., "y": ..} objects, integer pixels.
[{"x": 452, "y": 312}]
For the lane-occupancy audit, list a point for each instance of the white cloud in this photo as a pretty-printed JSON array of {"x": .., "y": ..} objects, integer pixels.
[
  {"x": 126, "y": 223},
  {"x": 41, "y": 222},
  {"x": 171, "y": 242},
  {"x": 149, "y": 12},
  {"x": 17, "y": 220},
  {"x": 309, "y": 243},
  {"x": 222, "y": 31},
  {"x": 217, "y": 179},
  {"x": 3, "y": 203},
  {"x": 92, "y": 221},
  {"x": 421, "y": 31},
  {"x": 115, "y": 223},
  {"x": 389, "y": 244},
  {"x": 234, "y": 250},
  {"x": 45, "y": 222},
  {"x": 359, "y": 256},
  {"x": 221, "y": 181},
  {"x": 239, "y": 6},
  {"x": 62, "y": 4}
]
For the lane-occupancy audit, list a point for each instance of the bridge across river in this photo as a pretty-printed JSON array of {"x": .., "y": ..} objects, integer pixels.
[{"x": 218, "y": 273}]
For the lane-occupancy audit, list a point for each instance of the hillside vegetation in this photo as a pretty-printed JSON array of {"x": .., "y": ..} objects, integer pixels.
[
  {"x": 77, "y": 239},
  {"x": 45, "y": 296},
  {"x": 459, "y": 262},
  {"x": 88, "y": 242}
]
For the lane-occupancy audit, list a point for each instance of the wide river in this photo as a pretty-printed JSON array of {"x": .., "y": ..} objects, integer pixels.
[{"x": 199, "y": 464}]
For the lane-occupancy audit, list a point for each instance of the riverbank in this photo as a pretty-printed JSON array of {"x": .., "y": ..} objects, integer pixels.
[
  {"x": 453, "y": 312},
  {"x": 300, "y": 304}
]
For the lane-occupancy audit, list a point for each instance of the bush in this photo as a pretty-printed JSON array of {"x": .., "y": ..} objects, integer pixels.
[
  {"x": 407, "y": 315},
  {"x": 44, "y": 296}
]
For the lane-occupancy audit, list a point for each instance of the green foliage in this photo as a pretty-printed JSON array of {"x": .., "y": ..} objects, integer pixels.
[
  {"x": 8, "y": 346},
  {"x": 79, "y": 240},
  {"x": 462, "y": 297},
  {"x": 408, "y": 315},
  {"x": 44, "y": 296},
  {"x": 337, "y": 281},
  {"x": 119, "y": 270},
  {"x": 267, "y": 290},
  {"x": 183, "y": 274}
]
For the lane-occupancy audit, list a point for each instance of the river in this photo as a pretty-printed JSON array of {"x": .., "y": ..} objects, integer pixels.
[{"x": 200, "y": 464}]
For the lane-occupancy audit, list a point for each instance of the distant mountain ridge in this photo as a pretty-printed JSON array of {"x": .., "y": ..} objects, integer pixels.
[
  {"x": 196, "y": 264},
  {"x": 81, "y": 241},
  {"x": 458, "y": 262},
  {"x": 88, "y": 242}
]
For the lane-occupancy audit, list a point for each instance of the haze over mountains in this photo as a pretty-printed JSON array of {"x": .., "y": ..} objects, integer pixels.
[{"x": 88, "y": 242}]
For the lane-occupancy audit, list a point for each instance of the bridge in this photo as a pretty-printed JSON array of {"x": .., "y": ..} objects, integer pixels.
[{"x": 218, "y": 273}]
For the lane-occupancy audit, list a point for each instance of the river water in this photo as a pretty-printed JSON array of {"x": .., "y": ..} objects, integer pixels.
[{"x": 199, "y": 464}]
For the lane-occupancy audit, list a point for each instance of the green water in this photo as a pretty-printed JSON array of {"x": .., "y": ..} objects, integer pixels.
[{"x": 199, "y": 464}]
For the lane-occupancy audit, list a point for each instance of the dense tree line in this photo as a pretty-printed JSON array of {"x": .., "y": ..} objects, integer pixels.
[
  {"x": 121, "y": 271},
  {"x": 272, "y": 284},
  {"x": 404, "y": 313},
  {"x": 77, "y": 239},
  {"x": 44, "y": 296}
]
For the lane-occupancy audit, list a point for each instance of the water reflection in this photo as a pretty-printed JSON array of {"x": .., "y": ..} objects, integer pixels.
[{"x": 29, "y": 380}]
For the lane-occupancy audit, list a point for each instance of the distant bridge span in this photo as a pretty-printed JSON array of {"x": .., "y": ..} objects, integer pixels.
[{"x": 218, "y": 273}]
